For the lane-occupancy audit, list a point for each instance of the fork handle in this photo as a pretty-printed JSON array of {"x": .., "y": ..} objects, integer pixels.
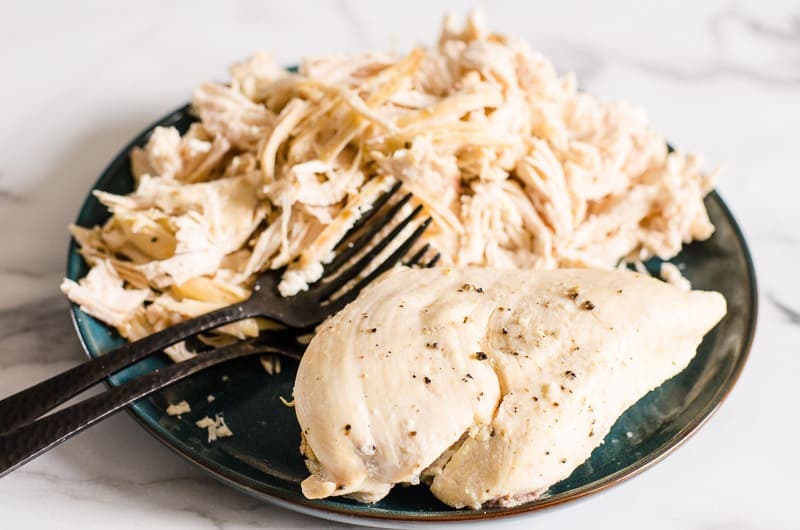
[
  {"x": 29, "y": 441},
  {"x": 27, "y": 405}
]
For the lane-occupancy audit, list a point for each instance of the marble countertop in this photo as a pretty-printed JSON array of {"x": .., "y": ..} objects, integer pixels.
[{"x": 80, "y": 78}]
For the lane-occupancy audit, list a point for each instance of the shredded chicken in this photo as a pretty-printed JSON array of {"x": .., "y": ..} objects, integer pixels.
[{"x": 515, "y": 165}]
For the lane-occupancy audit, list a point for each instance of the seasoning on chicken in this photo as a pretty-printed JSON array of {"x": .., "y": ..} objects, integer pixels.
[{"x": 489, "y": 394}]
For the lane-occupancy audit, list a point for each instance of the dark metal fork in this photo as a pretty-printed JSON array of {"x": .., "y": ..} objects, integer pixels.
[
  {"x": 25, "y": 443},
  {"x": 20, "y": 445},
  {"x": 301, "y": 311}
]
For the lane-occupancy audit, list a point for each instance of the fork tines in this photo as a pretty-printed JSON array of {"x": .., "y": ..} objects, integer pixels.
[
  {"x": 417, "y": 259},
  {"x": 361, "y": 260}
]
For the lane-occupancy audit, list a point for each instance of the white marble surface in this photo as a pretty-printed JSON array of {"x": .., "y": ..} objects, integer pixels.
[{"x": 80, "y": 78}]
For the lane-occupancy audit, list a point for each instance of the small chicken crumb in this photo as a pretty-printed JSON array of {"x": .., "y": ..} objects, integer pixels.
[
  {"x": 223, "y": 431},
  {"x": 204, "y": 422},
  {"x": 179, "y": 352},
  {"x": 217, "y": 428},
  {"x": 210, "y": 398},
  {"x": 271, "y": 364},
  {"x": 671, "y": 274},
  {"x": 179, "y": 408}
]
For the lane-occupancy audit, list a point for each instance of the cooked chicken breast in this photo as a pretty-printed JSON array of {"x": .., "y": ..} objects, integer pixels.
[{"x": 489, "y": 384}]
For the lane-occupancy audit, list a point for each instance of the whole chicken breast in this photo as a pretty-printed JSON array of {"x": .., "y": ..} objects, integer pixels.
[{"x": 490, "y": 385}]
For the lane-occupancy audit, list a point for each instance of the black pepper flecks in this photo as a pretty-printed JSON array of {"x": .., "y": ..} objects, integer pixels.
[
  {"x": 573, "y": 292},
  {"x": 347, "y": 429},
  {"x": 427, "y": 380},
  {"x": 469, "y": 287},
  {"x": 505, "y": 331},
  {"x": 481, "y": 356},
  {"x": 570, "y": 374},
  {"x": 587, "y": 305}
]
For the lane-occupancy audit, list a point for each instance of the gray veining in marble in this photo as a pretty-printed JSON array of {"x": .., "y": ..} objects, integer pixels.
[{"x": 791, "y": 315}]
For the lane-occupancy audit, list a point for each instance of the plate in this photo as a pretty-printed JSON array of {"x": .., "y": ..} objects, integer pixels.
[{"x": 262, "y": 457}]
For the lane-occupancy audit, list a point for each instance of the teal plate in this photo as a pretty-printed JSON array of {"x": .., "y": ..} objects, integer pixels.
[{"x": 262, "y": 457}]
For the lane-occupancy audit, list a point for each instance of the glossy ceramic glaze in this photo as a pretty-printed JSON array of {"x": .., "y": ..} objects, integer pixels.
[{"x": 262, "y": 457}]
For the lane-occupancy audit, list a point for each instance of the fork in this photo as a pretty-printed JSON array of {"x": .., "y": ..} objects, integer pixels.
[
  {"x": 301, "y": 311},
  {"x": 23, "y": 444},
  {"x": 20, "y": 445}
]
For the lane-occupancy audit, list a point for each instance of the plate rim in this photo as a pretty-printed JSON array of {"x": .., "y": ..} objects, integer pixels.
[{"x": 366, "y": 517}]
